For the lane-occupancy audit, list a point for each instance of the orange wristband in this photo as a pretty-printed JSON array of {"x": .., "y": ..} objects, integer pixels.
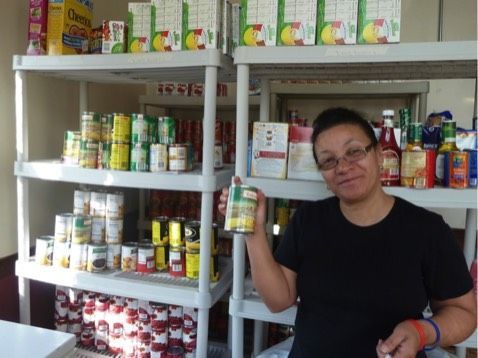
[{"x": 420, "y": 331}]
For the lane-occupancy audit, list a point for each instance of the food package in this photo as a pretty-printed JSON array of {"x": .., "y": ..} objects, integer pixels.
[
  {"x": 379, "y": 21},
  {"x": 201, "y": 24},
  {"x": 337, "y": 22},
  {"x": 167, "y": 25},
  {"x": 301, "y": 163},
  {"x": 297, "y": 22},
  {"x": 37, "y": 21},
  {"x": 139, "y": 27},
  {"x": 259, "y": 22}
]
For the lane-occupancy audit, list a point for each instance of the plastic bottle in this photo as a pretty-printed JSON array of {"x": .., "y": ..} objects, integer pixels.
[{"x": 390, "y": 171}]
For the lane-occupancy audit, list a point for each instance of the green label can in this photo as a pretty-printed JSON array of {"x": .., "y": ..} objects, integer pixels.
[
  {"x": 88, "y": 154},
  {"x": 104, "y": 155},
  {"x": 166, "y": 130},
  {"x": 139, "y": 161},
  {"x": 241, "y": 209},
  {"x": 106, "y": 128},
  {"x": 71, "y": 147},
  {"x": 152, "y": 129},
  {"x": 90, "y": 126},
  {"x": 119, "y": 159},
  {"x": 121, "y": 128},
  {"x": 139, "y": 128}
]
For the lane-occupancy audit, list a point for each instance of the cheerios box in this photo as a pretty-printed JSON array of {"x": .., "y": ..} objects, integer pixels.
[
  {"x": 297, "y": 22},
  {"x": 201, "y": 24},
  {"x": 259, "y": 22},
  {"x": 166, "y": 25},
  {"x": 269, "y": 150},
  {"x": 139, "y": 26},
  {"x": 337, "y": 22},
  {"x": 301, "y": 163},
  {"x": 69, "y": 26},
  {"x": 379, "y": 21}
]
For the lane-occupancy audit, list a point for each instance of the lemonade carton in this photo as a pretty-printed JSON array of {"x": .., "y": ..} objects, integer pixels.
[
  {"x": 139, "y": 26},
  {"x": 297, "y": 22},
  {"x": 201, "y": 24},
  {"x": 379, "y": 21},
  {"x": 337, "y": 22},
  {"x": 69, "y": 26},
  {"x": 114, "y": 36},
  {"x": 166, "y": 25},
  {"x": 259, "y": 22},
  {"x": 37, "y": 21}
]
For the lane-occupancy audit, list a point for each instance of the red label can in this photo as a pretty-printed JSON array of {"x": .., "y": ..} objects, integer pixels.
[
  {"x": 146, "y": 262},
  {"x": 177, "y": 264}
]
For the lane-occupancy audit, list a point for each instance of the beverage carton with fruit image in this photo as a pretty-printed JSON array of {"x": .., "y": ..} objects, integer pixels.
[
  {"x": 379, "y": 21},
  {"x": 69, "y": 26},
  {"x": 201, "y": 24},
  {"x": 166, "y": 25},
  {"x": 337, "y": 22},
  {"x": 139, "y": 26},
  {"x": 258, "y": 22},
  {"x": 297, "y": 22},
  {"x": 114, "y": 36}
]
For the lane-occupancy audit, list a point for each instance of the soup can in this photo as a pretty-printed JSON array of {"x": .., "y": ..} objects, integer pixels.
[
  {"x": 158, "y": 157},
  {"x": 115, "y": 205},
  {"x": 114, "y": 231},
  {"x": 96, "y": 257},
  {"x": 113, "y": 256},
  {"x": 78, "y": 256},
  {"x": 129, "y": 256},
  {"x": 81, "y": 229},
  {"x": 90, "y": 126},
  {"x": 177, "y": 231},
  {"x": 121, "y": 128},
  {"x": 88, "y": 154},
  {"x": 61, "y": 254},
  {"x": 81, "y": 202},
  {"x": 160, "y": 230},
  {"x": 178, "y": 155},
  {"x": 119, "y": 159},
  {"x": 139, "y": 158},
  {"x": 98, "y": 226},
  {"x": 44, "y": 250},
  {"x": 177, "y": 264},
  {"x": 146, "y": 261},
  {"x": 63, "y": 227},
  {"x": 175, "y": 352},
  {"x": 98, "y": 203},
  {"x": 159, "y": 341},
  {"x": 192, "y": 234},
  {"x": 71, "y": 148},
  {"x": 161, "y": 258},
  {"x": 106, "y": 128},
  {"x": 241, "y": 209}
]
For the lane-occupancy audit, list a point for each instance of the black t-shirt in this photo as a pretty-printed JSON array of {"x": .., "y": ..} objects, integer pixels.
[{"x": 356, "y": 284}]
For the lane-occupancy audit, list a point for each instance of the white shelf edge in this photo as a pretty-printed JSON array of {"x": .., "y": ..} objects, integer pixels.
[
  {"x": 149, "y": 287},
  {"x": 56, "y": 171},
  {"x": 314, "y": 190}
]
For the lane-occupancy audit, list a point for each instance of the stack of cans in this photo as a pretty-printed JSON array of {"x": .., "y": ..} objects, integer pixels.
[
  {"x": 88, "y": 316},
  {"x": 61, "y": 308},
  {"x": 90, "y": 137},
  {"x": 177, "y": 258},
  {"x": 106, "y": 139},
  {"x": 190, "y": 322},
  {"x": 115, "y": 324}
]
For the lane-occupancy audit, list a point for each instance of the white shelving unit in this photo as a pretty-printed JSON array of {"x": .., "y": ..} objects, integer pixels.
[
  {"x": 200, "y": 66},
  {"x": 406, "y": 61}
]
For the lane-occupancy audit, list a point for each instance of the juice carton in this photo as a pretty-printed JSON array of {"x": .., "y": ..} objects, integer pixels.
[
  {"x": 379, "y": 21},
  {"x": 259, "y": 22},
  {"x": 337, "y": 22},
  {"x": 139, "y": 26},
  {"x": 166, "y": 25},
  {"x": 69, "y": 26},
  {"x": 301, "y": 163},
  {"x": 37, "y": 21},
  {"x": 201, "y": 24},
  {"x": 297, "y": 22},
  {"x": 235, "y": 26},
  {"x": 114, "y": 36}
]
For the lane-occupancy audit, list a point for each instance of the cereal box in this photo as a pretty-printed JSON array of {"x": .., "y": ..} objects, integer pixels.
[
  {"x": 69, "y": 26},
  {"x": 379, "y": 21},
  {"x": 37, "y": 21},
  {"x": 337, "y": 22},
  {"x": 259, "y": 22},
  {"x": 201, "y": 24},
  {"x": 166, "y": 25},
  {"x": 114, "y": 37},
  {"x": 139, "y": 26},
  {"x": 301, "y": 163},
  {"x": 269, "y": 150},
  {"x": 96, "y": 38},
  {"x": 297, "y": 22}
]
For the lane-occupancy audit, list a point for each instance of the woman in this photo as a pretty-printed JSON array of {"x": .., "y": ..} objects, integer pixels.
[{"x": 363, "y": 264}]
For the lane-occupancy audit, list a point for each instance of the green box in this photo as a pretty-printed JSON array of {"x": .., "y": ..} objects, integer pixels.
[
  {"x": 259, "y": 22},
  {"x": 139, "y": 26},
  {"x": 201, "y": 24},
  {"x": 297, "y": 22},
  {"x": 337, "y": 22},
  {"x": 166, "y": 25},
  {"x": 379, "y": 21}
]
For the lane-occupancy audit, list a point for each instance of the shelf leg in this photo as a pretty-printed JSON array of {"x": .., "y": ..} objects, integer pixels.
[
  {"x": 265, "y": 105},
  {"x": 83, "y": 100},
  {"x": 469, "y": 247}
]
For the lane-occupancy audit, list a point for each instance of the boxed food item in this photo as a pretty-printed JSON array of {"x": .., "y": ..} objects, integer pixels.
[
  {"x": 96, "y": 40},
  {"x": 235, "y": 26},
  {"x": 69, "y": 26},
  {"x": 114, "y": 37},
  {"x": 259, "y": 22},
  {"x": 167, "y": 25},
  {"x": 297, "y": 22},
  {"x": 37, "y": 21},
  {"x": 379, "y": 21},
  {"x": 301, "y": 163},
  {"x": 337, "y": 22},
  {"x": 269, "y": 150},
  {"x": 201, "y": 24},
  {"x": 139, "y": 26}
]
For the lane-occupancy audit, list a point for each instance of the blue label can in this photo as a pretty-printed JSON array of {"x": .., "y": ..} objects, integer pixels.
[{"x": 472, "y": 169}]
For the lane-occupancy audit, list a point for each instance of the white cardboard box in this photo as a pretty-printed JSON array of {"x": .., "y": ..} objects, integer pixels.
[{"x": 301, "y": 163}]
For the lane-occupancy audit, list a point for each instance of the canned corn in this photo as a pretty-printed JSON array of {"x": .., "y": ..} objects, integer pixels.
[
  {"x": 121, "y": 128},
  {"x": 106, "y": 128},
  {"x": 119, "y": 159},
  {"x": 90, "y": 126}
]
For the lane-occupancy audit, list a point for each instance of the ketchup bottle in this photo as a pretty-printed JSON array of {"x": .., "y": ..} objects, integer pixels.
[{"x": 390, "y": 171}]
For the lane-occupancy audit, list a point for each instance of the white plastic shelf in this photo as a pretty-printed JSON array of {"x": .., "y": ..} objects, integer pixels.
[
  {"x": 314, "y": 190},
  {"x": 180, "y": 102},
  {"x": 158, "y": 287},
  {"x": 470, "y": 342},
  {"x": 420, "y": 60},
  {"x": 129, "y": 68},
  {"x": 192, "y": 181}
]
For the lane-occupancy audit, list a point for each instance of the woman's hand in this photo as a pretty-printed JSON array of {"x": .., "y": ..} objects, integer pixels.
[{"x": 404, "y": 342}]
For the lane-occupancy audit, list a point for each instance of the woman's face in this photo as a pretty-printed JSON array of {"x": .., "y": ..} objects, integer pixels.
[{"x": 350, "y": 181}]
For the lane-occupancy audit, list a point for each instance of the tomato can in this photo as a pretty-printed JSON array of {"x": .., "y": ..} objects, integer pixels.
[
  {"x": 189, "y": 338},
  {"x": 114, "y": 231},
  {"x": 192, "y": 264},
  {"x": 87, "y": 338},
  {"x": 177, "y": 264},
  {"x": 139, "y": 158},
  {"x": 98, "y": 226},
  {"x": 158, "y": 157},
  {"x": 106, "y": 128},
  {"x": 115, "y": 205},
  {"x": 101, "y": 340},
  {"x": 458, "y": 169},
  {"x": 139, "y": 128},
  {"x": 175, "y": 314},
  {"x": 119, "y": 159},
  {"x": 175, "y": 335},
  {"x": 81, "y": 202},
  {"x": 88, "y": 154},
  {"x": 161, "y": 258},
  {"x": 78, "y": 256},
  {"x": 166, "y": 130},
  {"x": 115, "y": 344},
  {"x": 146, "y": 262},
  {"x": 175, "y": 352},
  {"x": 129, "y": 345},
  {"x": 177, "y": 231},
  {"x": 104, "y": 155},
  {"x": 75, "y": 296},
  {"x": 178, "y": 157},
  {"x": 90, "y": 126},
  {"x": 129, "y": 256},
  {"x": 160, "y": 230},
  {"x": 241, "y": 209},
  {"x": 159, "y": 340},
  {"x": 472, "y": 170},
  {"x": 96, "y": 257},
  {"x": 190, "y": 316},
  {"x": 121, "y": 128},
  {"x": 81, "y": 229},
  {"x": 44, "y": 250},
  {"x": 159, "y": 315},
  {"x": 63, "y": 227}
]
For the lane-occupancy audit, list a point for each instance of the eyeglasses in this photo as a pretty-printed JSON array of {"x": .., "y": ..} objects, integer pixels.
[{"x": 352, "y": 155}]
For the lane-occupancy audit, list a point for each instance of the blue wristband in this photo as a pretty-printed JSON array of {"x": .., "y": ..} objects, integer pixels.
[{"x": 437, "y": 334}]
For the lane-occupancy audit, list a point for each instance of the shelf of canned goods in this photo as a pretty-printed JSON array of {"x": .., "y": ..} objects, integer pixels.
[
  {"x": 403, "y": 61},
  {"x": 207, "y": 66}
]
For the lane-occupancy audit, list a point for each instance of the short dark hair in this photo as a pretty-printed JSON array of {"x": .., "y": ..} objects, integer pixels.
[{"x": 333, "y": 117}]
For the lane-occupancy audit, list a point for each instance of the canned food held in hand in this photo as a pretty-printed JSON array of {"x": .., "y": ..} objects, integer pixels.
[{"x": 241, "y": 209}]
